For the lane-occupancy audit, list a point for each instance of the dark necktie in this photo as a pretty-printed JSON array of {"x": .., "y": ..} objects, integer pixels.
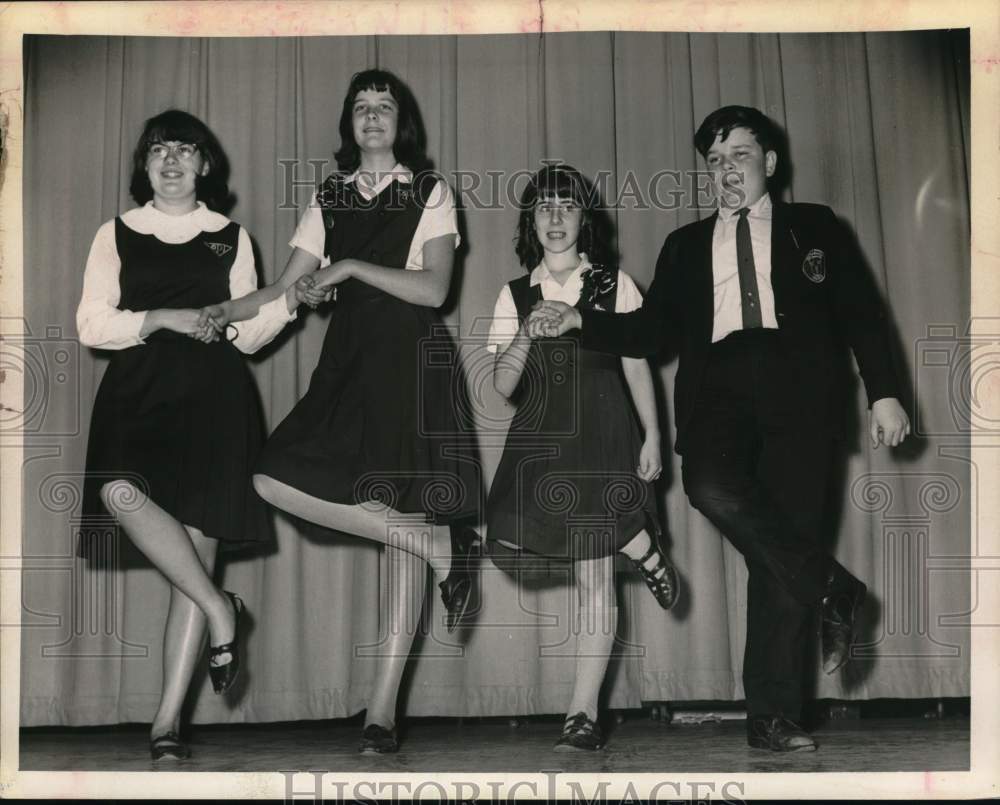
[{"x": 749, "y": 297}]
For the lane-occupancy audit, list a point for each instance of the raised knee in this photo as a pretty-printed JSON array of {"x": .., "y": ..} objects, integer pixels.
[
  {"x": 120, "y": 495},
  {"x": 265, "y": 486},
  {"x": 711, "y": 499}
]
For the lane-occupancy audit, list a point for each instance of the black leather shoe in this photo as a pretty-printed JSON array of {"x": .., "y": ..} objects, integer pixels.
[
  {"x": 457, "y": 589},
  {"x": 778, "y": 734},
  {"x": 840, "y": 608},
  {"x": 580, "y": 734},
  {"x": 223, "y": 676},
  {"x": 169, "y": 746},
  {"x": 376, "y": 740},
  {"x": 661, "y": 579}
]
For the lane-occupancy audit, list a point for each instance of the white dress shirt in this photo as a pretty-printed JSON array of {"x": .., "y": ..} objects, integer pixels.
[
  {"x": 438, "y": 218},
  {"x": 726, "y": 273},
  {"x": 505, "y": 323},
  {"x": 101, "y": 324}
]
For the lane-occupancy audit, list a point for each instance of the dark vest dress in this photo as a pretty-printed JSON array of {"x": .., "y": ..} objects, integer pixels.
[
  {"x": 566, "y": 487},
  {"x": 381, "y": 420},
  {"x": 178, "y": 418}
]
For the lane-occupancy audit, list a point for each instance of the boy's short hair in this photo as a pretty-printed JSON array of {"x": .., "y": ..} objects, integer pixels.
[{"x": 724, "y": 120}]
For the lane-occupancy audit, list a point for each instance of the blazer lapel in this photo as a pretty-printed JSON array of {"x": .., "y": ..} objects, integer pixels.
[
  {"x": 703, "y": 289},
  {"x": 784, "y": 249}
]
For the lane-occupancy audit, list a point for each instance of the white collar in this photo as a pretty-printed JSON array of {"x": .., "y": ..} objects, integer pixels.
[
  {"x": 147, "y": 220},
  {"x": 398, "y": 173},
  {"x": 761, "y": 208},
  {"x": 541, "y": 273}
]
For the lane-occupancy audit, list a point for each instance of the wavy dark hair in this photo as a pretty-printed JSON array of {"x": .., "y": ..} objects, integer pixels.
[
  {"x": 410, "y": 147},
  {"x": 175, "y": 125},
  {"x": 565, "y": 181},
  {"x": 722, "y": 121}
]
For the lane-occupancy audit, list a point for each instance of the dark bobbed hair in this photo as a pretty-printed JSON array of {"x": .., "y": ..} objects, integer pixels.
[
  {"x": 565, "y": 181},
  {"x": 410, "y": 147},
  {"x": 175, "y": 125},
  {"x": 724, "y": 120}
]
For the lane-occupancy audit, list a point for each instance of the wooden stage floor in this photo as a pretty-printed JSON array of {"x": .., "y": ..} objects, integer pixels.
[{"x": 489, "y": 745}]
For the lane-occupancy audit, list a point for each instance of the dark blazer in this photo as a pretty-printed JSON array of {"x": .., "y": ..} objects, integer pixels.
[{"x": 824, "y": 297}]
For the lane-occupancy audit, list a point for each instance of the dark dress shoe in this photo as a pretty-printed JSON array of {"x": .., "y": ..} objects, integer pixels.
[
  {"x": 580, "y": 734},
  {"x": 223, "y": 676},
  {"x": 169, "y": 746},
  {"x": 661, "y": 579},
  {"x": 457, "y": 589},
  {"x": 840, "y": 608},
  {"x": 778, "y": 734},
  {"x": 376, "y": 740}
]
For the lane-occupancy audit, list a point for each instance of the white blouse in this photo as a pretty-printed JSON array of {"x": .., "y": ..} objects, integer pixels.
[
  {"x": 505, "y": 323},
  {"x": 438, "y": 218},
  {"x": 101, "y": 324}
]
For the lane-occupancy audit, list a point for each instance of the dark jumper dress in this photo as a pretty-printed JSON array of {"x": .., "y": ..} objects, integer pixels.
[
  {"x": 381, "y": 419},
  {"x": 566, "y": 487},
  {"x": 178, "y": 418}
]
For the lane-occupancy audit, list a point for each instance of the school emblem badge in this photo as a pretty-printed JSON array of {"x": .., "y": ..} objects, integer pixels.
[
  {"x": 220, "y": 249},
  {"x": 814, "y": 266}
]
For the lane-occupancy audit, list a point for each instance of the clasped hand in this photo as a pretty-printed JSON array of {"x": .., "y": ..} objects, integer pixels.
[
  {"x": 321, "y": 286},
  {"x": 550, "y": 319}
]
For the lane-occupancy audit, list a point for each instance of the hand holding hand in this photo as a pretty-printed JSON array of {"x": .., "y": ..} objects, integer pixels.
[
  {"x": 650, "y": 461},
  {"x": 189, "y": 322},
  {"x": 307, "y": 293},
  {"x": 550, "y": 319},
  {"x": 887, "y": 422}
]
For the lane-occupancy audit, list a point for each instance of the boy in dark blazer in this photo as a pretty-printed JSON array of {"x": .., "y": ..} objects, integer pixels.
[{"x": 757, "y": 300}]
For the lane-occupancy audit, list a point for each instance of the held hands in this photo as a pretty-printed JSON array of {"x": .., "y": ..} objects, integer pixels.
[
  {"x": 192, "y": 323},
  {"x": 320, "y": 286},
  {"x": 307, "y": 293},
  {"x": 887, "y": 422},
  {"x": 650, "y": 461},
  {"x": 549, "y": 319}
]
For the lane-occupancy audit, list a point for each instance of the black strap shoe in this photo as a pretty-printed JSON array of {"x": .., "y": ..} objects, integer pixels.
[
  {"x": 223, "y": 676},
  {"x": 377, "y": 740},
  {"x": 169, "y": 746},
  {"x": 457, "y": 590},
  {"x": 778, "y": 734},
  {"x": 840, "y": 609},
  {"x": 661, "y": 579},
  {"x": 580, "y": 734}
]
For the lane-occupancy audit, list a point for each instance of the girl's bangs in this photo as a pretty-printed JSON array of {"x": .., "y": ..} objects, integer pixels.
[
  {"x": 555, "y": 183},
  {"x": 179, "y": 131}
]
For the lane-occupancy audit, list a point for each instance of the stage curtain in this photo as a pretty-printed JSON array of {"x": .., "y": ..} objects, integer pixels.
[{"x": 878, "y": 129}]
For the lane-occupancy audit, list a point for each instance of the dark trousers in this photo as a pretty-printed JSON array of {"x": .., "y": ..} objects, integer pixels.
[{"x": 758, "y": 471}]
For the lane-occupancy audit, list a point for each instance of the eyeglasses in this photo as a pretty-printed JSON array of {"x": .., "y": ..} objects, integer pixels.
[{"x": 182, "y": 150}]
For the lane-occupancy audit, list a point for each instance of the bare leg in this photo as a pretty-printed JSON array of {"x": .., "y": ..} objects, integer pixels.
[
  {"x": 168, "y": 545},
  {"x": 429, "y": 542},
  {"x": 596, "y": 620},
  {"x": 183, "y": 642},
  {"x": 407, "y": 580}
]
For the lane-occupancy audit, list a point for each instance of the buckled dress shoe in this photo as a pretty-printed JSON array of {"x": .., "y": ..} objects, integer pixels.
[
  {"x": 661, "y": 579},
  {"x": 169, "y": 746},
  {"x": 580, "y": 734},
  {"x": 458, "y": 588},
  {"x": 377, "y": 740},
  {"x": 840, "y": 609},
  {"x": 223, "y": 676},
  {"x": 778, "y": 734}
]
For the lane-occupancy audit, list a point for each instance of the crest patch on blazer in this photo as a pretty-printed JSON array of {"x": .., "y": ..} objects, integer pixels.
[
  {"x": 220, "y": 249},
  {"x": 814, "y": 266}
]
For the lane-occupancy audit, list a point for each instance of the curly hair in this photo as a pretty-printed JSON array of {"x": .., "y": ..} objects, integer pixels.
[
  {"x": 410, "y": 147},
  {"x": 175, "y": 125}
]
